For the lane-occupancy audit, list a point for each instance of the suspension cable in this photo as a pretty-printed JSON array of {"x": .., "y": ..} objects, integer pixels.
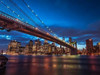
[
  {"x": 14, "y": 12},
  {"x": 38, "y": 17},
  {"x": 25, "y": 14}
]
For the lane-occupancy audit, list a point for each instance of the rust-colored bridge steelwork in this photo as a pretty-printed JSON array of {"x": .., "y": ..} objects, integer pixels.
[{"x": 10, "y": 23}]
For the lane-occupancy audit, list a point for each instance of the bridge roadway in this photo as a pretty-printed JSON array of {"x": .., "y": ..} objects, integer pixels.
[{"x": 10, "y": 23}]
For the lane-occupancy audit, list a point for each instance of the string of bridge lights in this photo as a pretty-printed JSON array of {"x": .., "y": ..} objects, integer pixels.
[
  {"x": 38, "y": 17},
  {"x": 25, "y": 14},
  {"x": 14, "y": 13}
]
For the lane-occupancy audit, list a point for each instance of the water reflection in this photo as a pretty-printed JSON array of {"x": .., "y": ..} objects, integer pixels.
[{"x": 52, "y": 65}]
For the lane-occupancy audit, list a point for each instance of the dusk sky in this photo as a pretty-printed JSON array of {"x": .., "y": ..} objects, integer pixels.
[{"x": 79, "y": 19}]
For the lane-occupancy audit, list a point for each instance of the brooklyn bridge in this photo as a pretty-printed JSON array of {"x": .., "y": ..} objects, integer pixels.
[{"x": 11, "y": 23}]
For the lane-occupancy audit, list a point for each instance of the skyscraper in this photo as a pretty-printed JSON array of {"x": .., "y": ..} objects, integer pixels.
[
  {"x": 13, "y": 47},
  {"x": 89, "y": 45},
  {"x": 30, "y": 46},
  {"x": 98, "y": 45}
]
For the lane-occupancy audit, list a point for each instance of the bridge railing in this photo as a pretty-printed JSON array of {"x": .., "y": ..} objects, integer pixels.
[
  {"x": 8, "y": 16},
  {"x": 13, "y": 18}
]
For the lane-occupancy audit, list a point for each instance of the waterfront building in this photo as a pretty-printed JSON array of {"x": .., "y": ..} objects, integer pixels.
[
  {"x": 89, "y": 46},
  {"x": 46, "y": 47},
  {"x": 97, "y": 49},
  {"x": 38, "y": 44},
  {"x": 34, "y": 48},
  {"x": 98, "y": 44},
  {"x": 50, "y": 49},
  {"x": 41, "y": 49},
  {"x": 21, "y": 50},
  {"x": 53, "y": 47},
  {"x": 30, "y": 46},
  {"x": 26, "y": 50},
  {"x": 13, "y": 47},
  {"x": 18, "y": 46},
  {"x": 84, "y": 51}
]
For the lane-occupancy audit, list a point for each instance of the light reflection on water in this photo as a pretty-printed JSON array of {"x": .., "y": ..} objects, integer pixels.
[{"x": 52, "y": 65}]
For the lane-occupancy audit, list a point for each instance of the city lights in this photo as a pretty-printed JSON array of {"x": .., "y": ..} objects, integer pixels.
[{"x": 15, "y": 48}]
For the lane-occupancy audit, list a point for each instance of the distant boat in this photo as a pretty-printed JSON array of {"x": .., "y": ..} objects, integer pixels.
[{"x": 3, "y": 61}]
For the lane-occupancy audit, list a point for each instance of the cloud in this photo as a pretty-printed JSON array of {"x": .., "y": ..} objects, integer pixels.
[{"x": 79, "y": 35}]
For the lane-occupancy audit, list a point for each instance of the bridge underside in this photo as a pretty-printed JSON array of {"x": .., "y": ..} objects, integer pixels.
[{"x": 10, "y": 24}]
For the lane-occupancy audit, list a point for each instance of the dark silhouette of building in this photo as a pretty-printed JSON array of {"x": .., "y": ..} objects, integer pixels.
[
  {"x": 97, "y": 49},
  {"x": 98, "y": 44},
  {"x": 30, "y": 46},
  {"x": 89, "y": 46}
]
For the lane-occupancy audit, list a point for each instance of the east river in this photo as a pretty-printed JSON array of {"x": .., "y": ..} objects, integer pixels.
[{"x": 52, "y": 65}]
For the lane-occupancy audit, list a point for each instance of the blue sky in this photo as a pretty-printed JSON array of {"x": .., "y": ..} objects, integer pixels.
[{"x": 79, "y": 19}]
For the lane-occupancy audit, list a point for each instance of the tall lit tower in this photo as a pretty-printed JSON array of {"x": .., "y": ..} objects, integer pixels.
[
  {"x": 89, "y": 45},
  {"x": 98, "y": 44},
  {"x": 30, "y": 46},
  {"x": 30, "y": 43}
]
